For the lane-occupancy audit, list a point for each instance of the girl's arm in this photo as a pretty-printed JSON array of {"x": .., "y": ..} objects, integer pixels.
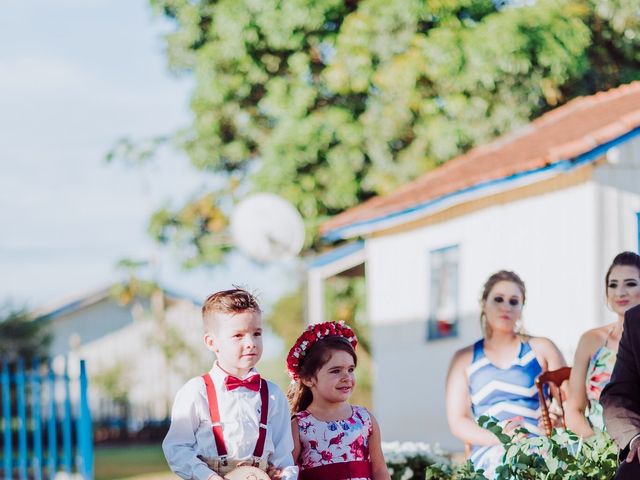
[
  {"x": 378, "y": 465},
  {"x": 576, "y": 403},
  {"x": 295, "y": 433},
  {"x": 458, "y": 403}
]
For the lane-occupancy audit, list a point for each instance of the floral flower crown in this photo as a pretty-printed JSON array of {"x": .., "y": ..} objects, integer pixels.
[{"x": 311, "y": 335}]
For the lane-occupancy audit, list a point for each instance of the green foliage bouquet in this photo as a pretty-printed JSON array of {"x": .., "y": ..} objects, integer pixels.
[
  {"x": 454, "y": 472},
  {"x": 563, "y": 456}
]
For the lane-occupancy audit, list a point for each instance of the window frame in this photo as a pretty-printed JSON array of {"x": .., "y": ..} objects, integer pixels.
[{"x": 435, "y": 327}]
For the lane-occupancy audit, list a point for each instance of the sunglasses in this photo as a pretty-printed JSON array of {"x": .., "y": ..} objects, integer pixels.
[{"x": 514, "y": 302}]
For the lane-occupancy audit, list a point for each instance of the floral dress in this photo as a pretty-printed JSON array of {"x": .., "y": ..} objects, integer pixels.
[
  {"x": 598, "y": 376},
  {"x": 336, "y": 450}
]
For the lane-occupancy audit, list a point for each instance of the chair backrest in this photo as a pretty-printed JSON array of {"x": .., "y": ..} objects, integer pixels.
[{"x": 553, "y": 378}]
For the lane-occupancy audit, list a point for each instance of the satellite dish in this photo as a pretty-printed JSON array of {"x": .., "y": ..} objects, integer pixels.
[{"x": 266, "y": 227}]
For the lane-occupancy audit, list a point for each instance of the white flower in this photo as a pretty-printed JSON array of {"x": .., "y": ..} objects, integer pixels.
[
  {"x": 397, "y": 453},
  {"x": 408, "y": 473}
]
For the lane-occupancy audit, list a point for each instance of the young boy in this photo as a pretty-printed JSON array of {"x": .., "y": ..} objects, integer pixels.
[{"x": 235, "y": 397}]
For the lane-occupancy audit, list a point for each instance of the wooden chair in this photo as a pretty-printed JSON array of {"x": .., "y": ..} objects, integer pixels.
[{"x": 553, "y": 378}]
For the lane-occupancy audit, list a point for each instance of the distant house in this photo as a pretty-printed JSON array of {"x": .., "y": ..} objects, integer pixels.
[
  {"x": 134, "y": 359},
  {"x": 553, "y": 201}
]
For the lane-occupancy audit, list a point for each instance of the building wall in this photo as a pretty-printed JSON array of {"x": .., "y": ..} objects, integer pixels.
[
  {"x": 151, "y": 379},
  {"x": 87, "y": 324},
  {"x": 124, "y": 342},
  {"x": 617, "y": 203},
  {"x": 548, "y": 240}
]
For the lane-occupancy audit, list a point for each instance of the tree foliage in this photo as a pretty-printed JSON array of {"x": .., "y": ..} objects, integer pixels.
[
  {"x": 21, "y": 335},
  {"x": 330, "y": 102},
  {"x": 345, "y": 302}
]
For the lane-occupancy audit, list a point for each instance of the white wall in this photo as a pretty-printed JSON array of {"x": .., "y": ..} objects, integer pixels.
[
  {"x": 87, "y": 324},
  {"x": 617, "y": 203},
  {"x": 548, "y": 240}
]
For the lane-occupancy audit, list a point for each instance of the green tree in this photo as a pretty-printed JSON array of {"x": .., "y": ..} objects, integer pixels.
[
  {"x": 21, "y": 335},
  {"x": 330, "y": 102}
]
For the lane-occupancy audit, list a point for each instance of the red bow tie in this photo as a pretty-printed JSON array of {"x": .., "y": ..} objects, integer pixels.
[{"x": 252, "y": 383}]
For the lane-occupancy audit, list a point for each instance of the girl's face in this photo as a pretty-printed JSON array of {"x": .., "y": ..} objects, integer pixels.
[
  {"x": 503, "y": 307},
  {"x": 623, "y": 288},
  {"x": 335, "y": 380}
]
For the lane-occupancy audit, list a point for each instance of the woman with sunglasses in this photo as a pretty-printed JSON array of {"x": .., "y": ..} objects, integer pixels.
[
  {"x": 596, "y": 353},
  {"x": 495, "y": 376}
]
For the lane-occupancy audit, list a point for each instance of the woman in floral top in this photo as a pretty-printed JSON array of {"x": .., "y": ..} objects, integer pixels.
[
  {"x": 598, "y": 347},
  {"x": 332, "y": 438}
]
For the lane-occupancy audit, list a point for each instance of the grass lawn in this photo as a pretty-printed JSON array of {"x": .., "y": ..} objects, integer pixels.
[{"x": 128, "y": 460}]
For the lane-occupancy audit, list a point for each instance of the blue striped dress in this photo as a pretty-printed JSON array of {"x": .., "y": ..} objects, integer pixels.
[{"x": 505, "y": 394}]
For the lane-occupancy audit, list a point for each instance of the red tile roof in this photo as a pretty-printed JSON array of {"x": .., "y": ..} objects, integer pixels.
[{"x": 562, "y": 134}]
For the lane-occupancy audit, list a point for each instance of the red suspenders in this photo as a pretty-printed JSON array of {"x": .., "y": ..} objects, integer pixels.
[{"x": 214, "y": 412}]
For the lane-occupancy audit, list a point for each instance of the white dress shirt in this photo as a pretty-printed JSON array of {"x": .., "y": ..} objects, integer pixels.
[{"x": 190, "y": 432}]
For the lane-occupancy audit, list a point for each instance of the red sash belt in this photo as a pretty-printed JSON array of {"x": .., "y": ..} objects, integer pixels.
[{"x": 338, "y": 471}]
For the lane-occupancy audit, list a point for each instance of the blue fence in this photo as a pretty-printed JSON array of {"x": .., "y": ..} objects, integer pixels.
[{"x": 45, "y": 430}]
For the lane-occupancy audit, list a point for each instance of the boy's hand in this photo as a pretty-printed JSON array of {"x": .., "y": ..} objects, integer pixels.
[
  {"x": 215, "y": 476},
  {"x": 274, "y": 472}
]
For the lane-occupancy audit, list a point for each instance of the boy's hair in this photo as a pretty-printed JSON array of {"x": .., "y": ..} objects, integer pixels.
[{"x": 234, "y": 301}]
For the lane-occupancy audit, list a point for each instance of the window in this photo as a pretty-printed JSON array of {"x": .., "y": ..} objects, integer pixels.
[{"x": 443, "y": 304}]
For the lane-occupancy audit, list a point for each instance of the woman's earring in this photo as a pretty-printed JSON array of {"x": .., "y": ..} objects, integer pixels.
[{"x": 518, "y": 326}]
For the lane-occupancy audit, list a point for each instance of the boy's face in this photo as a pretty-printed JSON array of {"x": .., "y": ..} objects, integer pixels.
[{"x": 236, "y": 341}]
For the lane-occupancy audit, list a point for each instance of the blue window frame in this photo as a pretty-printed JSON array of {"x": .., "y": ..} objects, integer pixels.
[{"x": 443, "y": 305}]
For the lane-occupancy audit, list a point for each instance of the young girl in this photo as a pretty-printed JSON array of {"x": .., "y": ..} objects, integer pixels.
[{"x": 332, "y": 438}]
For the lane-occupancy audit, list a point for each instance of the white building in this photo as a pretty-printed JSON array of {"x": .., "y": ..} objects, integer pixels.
[
  {"x": 128, "y": 350},
  {"x": 554, "y": 201}
]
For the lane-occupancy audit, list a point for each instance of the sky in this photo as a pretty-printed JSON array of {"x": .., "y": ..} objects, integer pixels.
[{"x": 75, "y": 76}]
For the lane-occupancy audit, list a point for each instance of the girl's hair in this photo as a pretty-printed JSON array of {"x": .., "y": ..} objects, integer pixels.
[
  {"x": 501, "y": 276},
  {"x": 299, "y": 395},
  {"x": 627, "y": 259}
]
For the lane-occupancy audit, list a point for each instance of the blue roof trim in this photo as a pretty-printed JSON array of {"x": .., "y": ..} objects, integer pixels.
[
  {"x": 104, "y": 294},
  {"x": 335, "y": 254},
  {"x": 562, "y": 166},
  {"x": 68, "y": 308},
  {"x": 178, "y": 295}
]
